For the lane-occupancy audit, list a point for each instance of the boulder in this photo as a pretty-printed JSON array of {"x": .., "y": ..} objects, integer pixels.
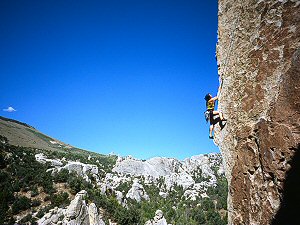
[
  {"x": 137, "y": 192},
  {"x": 119, "y": 196},
  {"x": 94, "y": 217},
  {"x": 43, "y": 159},
  {"x": 163, "y": 194},
  {"x": 191, "y": 194},
  {"x": 158, "y": 219},
  {"x": 81, "y": 169},
  {"x": 78, "y": 212},
  {"x": 52, "y": 217}
]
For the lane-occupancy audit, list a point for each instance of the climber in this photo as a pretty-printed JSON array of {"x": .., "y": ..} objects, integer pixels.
[{"x": 210, "y": 113}]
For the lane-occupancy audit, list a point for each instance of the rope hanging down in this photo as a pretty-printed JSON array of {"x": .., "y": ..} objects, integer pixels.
[{"x": 230, "y": 48}]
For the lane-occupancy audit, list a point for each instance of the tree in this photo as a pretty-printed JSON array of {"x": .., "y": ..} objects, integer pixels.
[{"x": 213, "y": 217}]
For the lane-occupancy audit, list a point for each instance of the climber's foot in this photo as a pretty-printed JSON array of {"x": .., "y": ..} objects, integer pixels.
[
  {"x": 211, "y": 137},
  {"x": 222, "y": 124}
]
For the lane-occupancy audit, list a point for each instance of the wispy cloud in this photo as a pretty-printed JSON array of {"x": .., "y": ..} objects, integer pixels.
[{"x": 9, "y": 109}]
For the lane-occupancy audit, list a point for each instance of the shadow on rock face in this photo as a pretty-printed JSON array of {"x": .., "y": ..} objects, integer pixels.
[{"x": 289, "y": 212}]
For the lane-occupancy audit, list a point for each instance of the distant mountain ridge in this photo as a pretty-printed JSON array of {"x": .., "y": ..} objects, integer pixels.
[{"x": 15, "y": 121}]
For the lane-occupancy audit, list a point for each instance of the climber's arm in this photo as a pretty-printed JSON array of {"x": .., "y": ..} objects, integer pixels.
[
  {"x": 214, "y": 98},
  {"x": 219, "y": 90}
]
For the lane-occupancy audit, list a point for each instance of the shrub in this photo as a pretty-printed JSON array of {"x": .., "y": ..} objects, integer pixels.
[
  {"x": 77, "y": 183},
  {"x": 2, "y": 161},
  {"x": 214, "y": 217},
  {"x": 207, "y": 204},
  {"x": 26, "y": 219},
  {"x": 42, "y": 211},
  {"x": 47, "y": 198},
  {"x": 21, "y": 203},
  {"x": 62, "y": 176},
  {"x": 34, "y": 191},
  {"x": 35, "y": 203},
  {"x": 60, "y": 199}
]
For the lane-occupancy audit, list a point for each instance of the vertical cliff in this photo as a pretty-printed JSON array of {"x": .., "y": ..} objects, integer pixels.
[{"x": 258, "y": 55}]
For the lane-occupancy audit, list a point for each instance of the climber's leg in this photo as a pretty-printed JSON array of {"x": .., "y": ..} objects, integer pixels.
[
  {"x": 220, "y": 114},
  {"x": 211, "y": 128}
]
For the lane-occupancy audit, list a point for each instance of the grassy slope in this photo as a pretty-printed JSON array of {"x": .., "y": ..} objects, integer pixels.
[{"x": 22, "y": 134}]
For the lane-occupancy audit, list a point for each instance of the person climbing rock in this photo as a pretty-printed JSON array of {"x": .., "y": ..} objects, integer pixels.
[{"x": 211, "y": 113}]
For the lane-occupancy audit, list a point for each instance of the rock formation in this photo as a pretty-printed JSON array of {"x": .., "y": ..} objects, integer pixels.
[
  {"x": 258, "y": 55},
  {"x": 52, "y": 217},
  {"x": 174, "y": 171},
  {"x": 82, "y": 169},
  {"x": 128, "y": 169},
  {"x": 158, "y": 219},
  {"x": 94, "y": 217},
  {"x": 137, "y": 192},
  {"x": 78, "y": 212}
]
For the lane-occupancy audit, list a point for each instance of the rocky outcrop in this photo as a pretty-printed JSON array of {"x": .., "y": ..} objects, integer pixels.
[
  {"x": 82, "y": 169},
  {"x": 137, "y": 192},
  {"x": 173, "y": 171},
  {"x": 154, "y": 167},
  {"x": 193, "y": 174},
  {"x": 94, "y": 217},
  {"x": 258, "y": 56},
  {"x": 52, "y": 217},
  {"x": 158, "y": 219},
  {"x": 78, "y": 212},
  {"x": 43, "y": 159}
]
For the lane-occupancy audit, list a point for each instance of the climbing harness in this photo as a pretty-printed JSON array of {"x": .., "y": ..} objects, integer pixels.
[{"x": 206, "y": 115}]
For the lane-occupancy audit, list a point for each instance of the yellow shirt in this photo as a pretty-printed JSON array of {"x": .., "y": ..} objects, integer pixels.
[{"x": 210, "y": 105}]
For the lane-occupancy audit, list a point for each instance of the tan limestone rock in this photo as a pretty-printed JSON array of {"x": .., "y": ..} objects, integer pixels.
[{"x": 258, "y": 55}]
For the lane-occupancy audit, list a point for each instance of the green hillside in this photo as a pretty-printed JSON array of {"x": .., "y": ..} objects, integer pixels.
[{"x": 29, "y": 188}]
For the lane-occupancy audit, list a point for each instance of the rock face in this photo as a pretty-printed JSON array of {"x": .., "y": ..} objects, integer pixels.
[
  {"x": 172, "y": 170},
  {"x": 258, "y": 56}
]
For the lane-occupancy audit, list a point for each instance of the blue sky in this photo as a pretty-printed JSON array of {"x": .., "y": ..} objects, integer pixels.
[{"x": 123, "y": 76}]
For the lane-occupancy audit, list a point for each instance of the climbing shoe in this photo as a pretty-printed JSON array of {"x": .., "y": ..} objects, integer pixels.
[
  {"x": 211, "y": 137},
  {"x": 222, "y": 124}
]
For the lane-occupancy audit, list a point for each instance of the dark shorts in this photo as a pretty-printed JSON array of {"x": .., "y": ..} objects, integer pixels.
[
  {"x": 211, "y": 117},
  {"x": 213, "y": 120}
]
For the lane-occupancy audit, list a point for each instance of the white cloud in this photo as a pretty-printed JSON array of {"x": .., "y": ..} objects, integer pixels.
[{"x": 9, "y": 109}]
